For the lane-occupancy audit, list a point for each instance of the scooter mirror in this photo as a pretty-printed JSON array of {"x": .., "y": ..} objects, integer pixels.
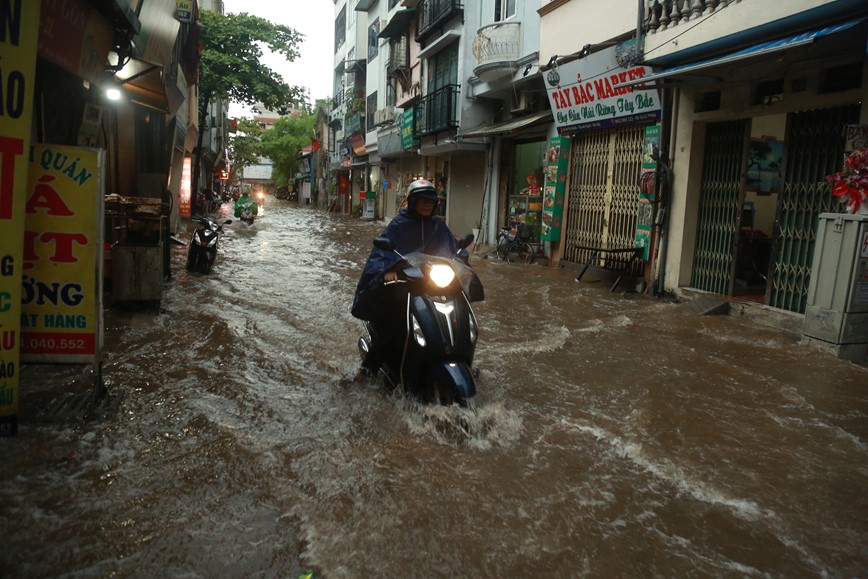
[
  {"x": 465, "y": 241},
  {"x": 384, "y": 243},
  {"x": 227, "y": 222}
]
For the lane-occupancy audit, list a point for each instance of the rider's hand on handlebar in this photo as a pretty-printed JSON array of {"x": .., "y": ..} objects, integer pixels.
[{"x": 390, "y": 276}]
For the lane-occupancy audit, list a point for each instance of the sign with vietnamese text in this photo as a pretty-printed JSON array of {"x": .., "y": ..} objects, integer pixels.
[
  {"x": 645, "y": 215},
  {"x": 557, "y": 163},
  {"x": 584, "y": 94},
  {"x": 184, "y": 10},
  {"x": 406, "y": 124},
  {"x": 18, "y": 47},
  {"x": 74, "y": 36},
  {"x": 61, "y": 295},
  {"x": 184, "y": 189}
]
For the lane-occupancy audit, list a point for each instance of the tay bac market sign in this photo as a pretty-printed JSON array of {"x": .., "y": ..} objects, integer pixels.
[{"x": 584, "y": 94}]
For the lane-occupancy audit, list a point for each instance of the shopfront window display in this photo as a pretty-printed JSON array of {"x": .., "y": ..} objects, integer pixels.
[{"x": 526, "y": 200}]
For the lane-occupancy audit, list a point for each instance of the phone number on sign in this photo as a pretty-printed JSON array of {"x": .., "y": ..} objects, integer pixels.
[{"x": 40, "y": 343}]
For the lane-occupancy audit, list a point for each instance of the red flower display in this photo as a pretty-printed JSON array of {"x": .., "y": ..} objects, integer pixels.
[{"x": 851, "y": 182}]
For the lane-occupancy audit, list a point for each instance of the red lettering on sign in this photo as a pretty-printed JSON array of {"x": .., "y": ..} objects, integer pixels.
[
  {"x": 45, "y": 196},
  {"x": 9, "y": 149},
  {"x": 63, "y": 246}
]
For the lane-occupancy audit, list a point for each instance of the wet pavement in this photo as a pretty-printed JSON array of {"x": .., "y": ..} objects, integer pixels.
[{"x": 614, "y": 435}]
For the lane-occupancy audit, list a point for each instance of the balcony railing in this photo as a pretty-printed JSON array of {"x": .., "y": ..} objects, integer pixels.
[
  {"x": 437, "y": 111},
  {"x": 434, "y": 12},
  {"x": 497, "y": 47},
  {"x": 664, "y": 14},
  {"x": 399, "y": 56}
]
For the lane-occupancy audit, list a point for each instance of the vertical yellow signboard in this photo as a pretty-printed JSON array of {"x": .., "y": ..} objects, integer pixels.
[
  {"x": 61, "y": 313},
  {"x": 19, "y": 22}
]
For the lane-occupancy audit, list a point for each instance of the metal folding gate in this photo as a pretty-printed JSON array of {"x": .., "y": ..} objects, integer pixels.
[
  {"x": 603, "y": 198},
  {"x": 720, "y": 196},
  {"x": 814, "y": 149}
]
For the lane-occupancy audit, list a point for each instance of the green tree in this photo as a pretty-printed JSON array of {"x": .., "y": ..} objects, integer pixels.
[
  {"x": 282, "y": 144},
  {"x": 231, "y": 66},
  {"x": 244, "y": 146}
]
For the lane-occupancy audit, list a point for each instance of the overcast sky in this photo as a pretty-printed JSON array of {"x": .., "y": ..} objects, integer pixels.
[{"x": 313, "y": 18}]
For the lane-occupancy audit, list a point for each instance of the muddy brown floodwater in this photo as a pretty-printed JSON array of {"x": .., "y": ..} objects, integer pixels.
[{"x": 614, "y": 435}]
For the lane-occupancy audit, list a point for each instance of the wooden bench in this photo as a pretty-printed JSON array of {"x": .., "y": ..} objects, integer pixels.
[{"x": 623, "y": 258}]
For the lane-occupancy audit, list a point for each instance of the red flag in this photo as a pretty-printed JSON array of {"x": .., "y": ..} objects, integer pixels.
[{"x": 315, "y": 145}]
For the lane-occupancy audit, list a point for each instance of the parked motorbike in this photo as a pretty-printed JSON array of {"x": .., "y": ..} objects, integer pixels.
[
  {"x": 203, "y": 245},
  {"x": 440, "y": 328}
]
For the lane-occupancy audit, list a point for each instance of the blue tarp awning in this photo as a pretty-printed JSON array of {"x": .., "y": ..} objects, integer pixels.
[{"x": 760, "y": 49}]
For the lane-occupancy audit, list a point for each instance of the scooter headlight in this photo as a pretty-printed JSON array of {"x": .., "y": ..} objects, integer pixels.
[
  {"x": 441, "y": 274},
  {"x": 417, "y": 333}
]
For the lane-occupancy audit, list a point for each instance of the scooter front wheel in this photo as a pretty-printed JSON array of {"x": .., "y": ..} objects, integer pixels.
[
  {"x": 191, "y": 260},
  {"x": 452, "y": 383}
]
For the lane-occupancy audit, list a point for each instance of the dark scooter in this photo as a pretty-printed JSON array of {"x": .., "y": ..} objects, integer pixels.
[
  {"x": 440, "y": 328},
  {"x": 203, "y": 245}
]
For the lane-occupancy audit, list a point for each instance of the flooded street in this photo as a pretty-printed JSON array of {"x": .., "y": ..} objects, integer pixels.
[{"x": 614, "y": 436}]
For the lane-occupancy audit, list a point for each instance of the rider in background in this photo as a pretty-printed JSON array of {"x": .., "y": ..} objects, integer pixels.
[
  {"x": 246, "y": 203},
  {"x": 414, "y": 229}
]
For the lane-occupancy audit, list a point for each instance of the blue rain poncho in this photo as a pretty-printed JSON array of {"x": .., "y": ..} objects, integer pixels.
[{"x": 410, "y": 233}]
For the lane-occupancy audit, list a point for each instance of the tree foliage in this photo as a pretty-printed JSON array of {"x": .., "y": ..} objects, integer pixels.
[
  {"x": 231, "y": 65},
  {"x": 245, "y": 146},
  {"x": 282, "y": 144}
]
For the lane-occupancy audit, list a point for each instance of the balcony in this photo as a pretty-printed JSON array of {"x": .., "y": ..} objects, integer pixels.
[
  {"x": 399, "y": 56},
  {"x": 663, "y": 14},
  {"x": 338, "y": 100},
  {"x": 434, "y": 13},
  {"x": 497, "y": 48},
  {"x": 676, "y": 31},
  {"x": 437, "y": 111}
]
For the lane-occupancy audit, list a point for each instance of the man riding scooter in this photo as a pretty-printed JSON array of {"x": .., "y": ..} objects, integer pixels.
[
  {"x": 415, "y": 229},
  {"x": 246, "y": 208}
]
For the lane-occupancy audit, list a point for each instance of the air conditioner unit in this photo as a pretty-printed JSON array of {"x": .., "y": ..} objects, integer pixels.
[
  {"x": 388, "y": 114},
  {"x": 378, "y": 117},
  {"x": 521, "y": 103}
]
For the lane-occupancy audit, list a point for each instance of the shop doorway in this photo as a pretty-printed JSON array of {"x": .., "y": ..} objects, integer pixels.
[
  {"x": 603, "y": 196},
  {"x": 740, "y": 250},
  {"x": 814, "y": 149},
  {"x": 524, "y": 201}
]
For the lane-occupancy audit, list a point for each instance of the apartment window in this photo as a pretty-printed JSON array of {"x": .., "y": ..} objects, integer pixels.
[
  {"x": 340, "y": 28},
  {"x": 391, "y": 91},
  {"x": 443, "y": 68},
  {"x": 370, "y": 109},
  {"x": 373, "y": 41},
  {"x": 503, "y": 9}
]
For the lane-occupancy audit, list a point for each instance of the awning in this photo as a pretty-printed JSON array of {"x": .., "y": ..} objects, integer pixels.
[
  {"x": 756, "y": 50},
  {"x": 398, "y": 25},
  {"x": 145, "y": 83},
  {"x": 509, "y": 127}
]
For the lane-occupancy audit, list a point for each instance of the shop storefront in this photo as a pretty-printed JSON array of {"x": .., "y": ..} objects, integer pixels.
[
  {"x": 751, "y": 156},
  {"x": 606, "y": 127}
]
